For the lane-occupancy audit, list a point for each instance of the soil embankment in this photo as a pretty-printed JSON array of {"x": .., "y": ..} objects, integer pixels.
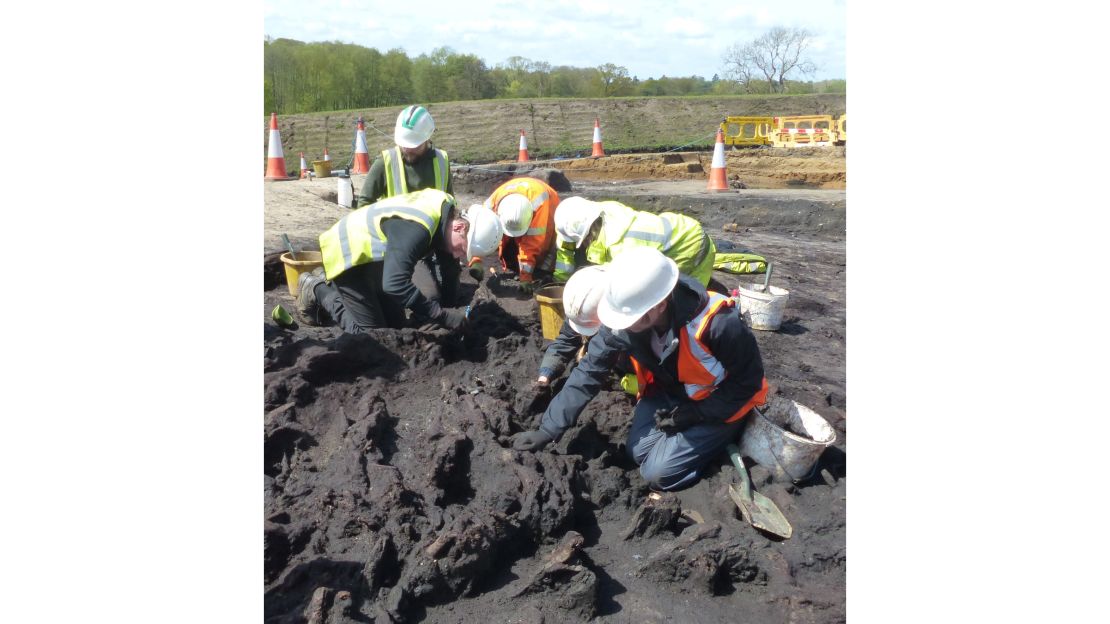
[{"x": 488, "y": 130}]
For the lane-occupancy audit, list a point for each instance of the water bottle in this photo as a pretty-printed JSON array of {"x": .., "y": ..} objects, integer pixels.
[{"x": 346, "y": 191}]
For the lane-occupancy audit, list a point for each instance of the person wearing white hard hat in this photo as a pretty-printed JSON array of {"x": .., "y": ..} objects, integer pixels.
[
  {"x": 412, "y": 165},
  {"x": 370, "y": 255},
  {"x": 526, "y": 207},
  {"x": 592, "y": 232},
  {"x": 697, "y": 363},
  {"x": 581, "y": 295}
]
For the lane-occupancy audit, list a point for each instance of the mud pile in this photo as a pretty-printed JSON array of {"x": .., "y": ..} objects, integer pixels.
[{"x": 392, "y": 494}]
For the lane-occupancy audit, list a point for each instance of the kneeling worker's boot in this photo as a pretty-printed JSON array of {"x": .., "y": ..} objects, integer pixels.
[{"x": 308, "y": 309}]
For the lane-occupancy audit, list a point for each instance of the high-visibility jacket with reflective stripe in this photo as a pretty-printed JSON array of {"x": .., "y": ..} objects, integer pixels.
[
  {"x": 677, "y": 236},
  {"x": 537, "y": 242},
  {"x": 699, "y": 371},
  {"x": 395, "y": 171},
  {"x": 358, "y": 238}
]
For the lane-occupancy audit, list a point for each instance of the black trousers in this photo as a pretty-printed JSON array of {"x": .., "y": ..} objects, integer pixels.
[{"x": 356, "y": 302}]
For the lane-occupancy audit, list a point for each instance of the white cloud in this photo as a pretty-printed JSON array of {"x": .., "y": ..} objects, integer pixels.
[
  {"x": 649, "y": 38},
  {"x": 686, "y": 27}
]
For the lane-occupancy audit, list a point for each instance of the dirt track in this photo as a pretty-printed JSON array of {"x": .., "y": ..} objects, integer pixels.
[{"x": 391, "y": 493}]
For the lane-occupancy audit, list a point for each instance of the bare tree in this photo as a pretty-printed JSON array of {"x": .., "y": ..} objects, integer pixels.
[{"x": 774, "y": 55}]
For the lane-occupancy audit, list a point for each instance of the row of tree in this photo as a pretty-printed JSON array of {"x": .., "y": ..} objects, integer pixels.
[{"x": 309, "y": 77}]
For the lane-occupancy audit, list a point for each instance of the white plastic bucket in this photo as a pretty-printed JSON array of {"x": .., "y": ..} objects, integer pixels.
[
  {"x": 787, "y": 438},
  {"x": 346, "y": 192},
  {"x": 762, "y": 310}
]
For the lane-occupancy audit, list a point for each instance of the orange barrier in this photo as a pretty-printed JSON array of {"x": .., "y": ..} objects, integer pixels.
[
  {"x": 523, "y": 155},
  {"x": 717, "y": 178},
  {"x": 598, "y": 151},
  {"x": 362, "y": 155},
  {"x": 275, "y": 157}
]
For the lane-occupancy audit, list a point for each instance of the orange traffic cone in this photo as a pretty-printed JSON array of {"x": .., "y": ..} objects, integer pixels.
[
  {"x": 275, "y": 158},
  {"x": 304, "y": 167},
  {"x": 717, "y": 181},
  {"x": 326, "y": 157},
  {"x": 523, "y": 156},
  {"x": 362, "y": 155},
  {"x": 598, "y": 152}
]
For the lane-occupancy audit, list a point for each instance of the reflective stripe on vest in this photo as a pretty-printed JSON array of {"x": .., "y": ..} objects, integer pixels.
[
  {"x": 395, "y": 182},
  {"x": 358, "y": 239},
  {"x": 699, "y": 370},
  {"x": 536, "y": 203},
  {"x": 651, "y": 228}
]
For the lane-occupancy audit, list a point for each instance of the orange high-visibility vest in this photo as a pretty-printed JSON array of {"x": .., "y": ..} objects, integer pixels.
[
  {"x": 698, "y": 369},
  {"x": 534, "y": 245}
]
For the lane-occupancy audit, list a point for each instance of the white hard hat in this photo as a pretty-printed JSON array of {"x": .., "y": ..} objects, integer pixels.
[
  {"x": 515, "y": 211},
  {"x": 414, "y": 127},
  {"x": 580, "y": 298},
  {"x": 574, "y": 216},
  {"x": 638, "y": 280},
  {"x": 484, "y": 232}
]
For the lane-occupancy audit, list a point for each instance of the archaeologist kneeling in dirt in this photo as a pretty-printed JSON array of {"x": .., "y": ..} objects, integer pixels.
[
  {"x": 697, "y": 364},
  {"x": 526, "y": 207},
  {"x": 592, "y": 232},
  {"x": 414, "y": 164},
  {"x": 370, "y": 255}
]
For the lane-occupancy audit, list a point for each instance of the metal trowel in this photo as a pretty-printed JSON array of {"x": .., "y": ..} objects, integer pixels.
[{"x": 758, "y": 510}]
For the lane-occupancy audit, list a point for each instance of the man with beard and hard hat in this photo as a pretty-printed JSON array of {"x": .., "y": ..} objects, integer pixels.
[
  {"x": 526, "y": 207},
  {"x": 369, "y": 257},
  {"x": 698, "y": 366},
  {"x": 412, "y": 165}
]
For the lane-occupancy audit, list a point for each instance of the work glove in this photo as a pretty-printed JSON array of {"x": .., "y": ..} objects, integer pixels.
[
  {"x": 453, "y": 318},
  {"x": 672, "y": 420},
  {"x": 477, "y": 272},
  {"x": 531, "y": 440},
  {"x": 526, "y": 287}
]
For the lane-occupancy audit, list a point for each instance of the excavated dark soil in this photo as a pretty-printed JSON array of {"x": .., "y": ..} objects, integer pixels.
[{"x": 392, "y": 493}]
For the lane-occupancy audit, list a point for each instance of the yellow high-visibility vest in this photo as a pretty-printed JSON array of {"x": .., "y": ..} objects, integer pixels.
[
  {"x": 358, "y": 238},
  {"x": 395, "y": 182}
]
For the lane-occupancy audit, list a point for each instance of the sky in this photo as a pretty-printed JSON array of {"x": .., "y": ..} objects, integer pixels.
[{"x": 650, "y": 38}]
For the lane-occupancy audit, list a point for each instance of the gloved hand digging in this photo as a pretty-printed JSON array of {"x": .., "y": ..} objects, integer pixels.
[
  {"x": 453, "y": 318},
  {"x": 672, "y": 420},
  {"x": 527, "y": 287},
  {"x": 477, "y": 272},
  {"x": 531, "y": 440}
]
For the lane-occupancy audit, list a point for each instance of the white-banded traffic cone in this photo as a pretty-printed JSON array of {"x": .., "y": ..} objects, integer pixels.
[
  {"x": 304, "y": 167},
  {"x": 275, "y": 158},
  {"x": 326, "y": 157},
  {"x": 523, "y": 155},
  {"x": 598, "y": 151},
  {"x": 717, "y": 179},
  {"x": 362, "y": 155}
]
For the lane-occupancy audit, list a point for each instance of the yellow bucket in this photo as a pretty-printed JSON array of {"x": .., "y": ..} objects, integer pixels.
[
  {"x": 306, "y": 261},
  {"x": 322, "y": 167},
  {"x": 550, "y": 299}
]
